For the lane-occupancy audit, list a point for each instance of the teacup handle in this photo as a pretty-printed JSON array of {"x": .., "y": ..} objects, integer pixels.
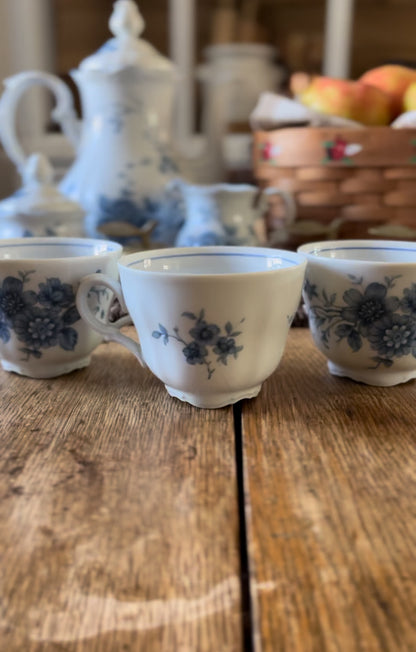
[{"x": 110, "y": 332}]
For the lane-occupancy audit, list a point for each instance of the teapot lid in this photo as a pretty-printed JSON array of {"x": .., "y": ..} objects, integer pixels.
[
  {"x": 125, "y": 49},
  {"x": 38, "y": 196}
]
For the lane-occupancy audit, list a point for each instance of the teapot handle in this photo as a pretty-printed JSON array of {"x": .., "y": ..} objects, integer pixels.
[{"x": 64, "y": 112}]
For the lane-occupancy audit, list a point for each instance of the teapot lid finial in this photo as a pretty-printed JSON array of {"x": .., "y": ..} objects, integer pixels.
[
  {"x": 126, "y": 19},
  {"x": 126, "y": 48}
]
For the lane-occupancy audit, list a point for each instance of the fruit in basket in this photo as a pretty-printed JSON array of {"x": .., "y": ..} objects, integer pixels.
[
  {"x": 409, "y": 98},
  {"x": 343, "y": 98},
  {"x": 393, "y": 80}
]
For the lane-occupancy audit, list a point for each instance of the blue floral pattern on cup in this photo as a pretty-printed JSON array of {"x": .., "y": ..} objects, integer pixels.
[
  {"x": 40, "y": 320},
  {"x": 367, "y": 312},
  {"x": 207, "y": 341}
]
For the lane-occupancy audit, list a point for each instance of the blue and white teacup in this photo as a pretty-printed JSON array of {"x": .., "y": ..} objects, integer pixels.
[
  {"x": 212, "y": 321},
  {"x": 360, "y": 296},
  {"x": 42, "y": 334}
]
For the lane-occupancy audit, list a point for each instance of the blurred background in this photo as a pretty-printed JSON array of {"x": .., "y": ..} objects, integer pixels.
[{"x": 309, "y": 35}]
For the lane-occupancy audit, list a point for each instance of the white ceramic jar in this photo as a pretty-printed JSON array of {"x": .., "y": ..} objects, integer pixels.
[{"x": 240, "y": 72}]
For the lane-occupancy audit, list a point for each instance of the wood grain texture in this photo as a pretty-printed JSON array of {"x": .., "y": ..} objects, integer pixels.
[
  {"x": 118, "y": 515},
  {"x": 331, "y": 508}
]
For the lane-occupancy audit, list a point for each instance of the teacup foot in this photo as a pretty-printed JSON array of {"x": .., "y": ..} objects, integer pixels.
[
  {"x": 214, "y": 400},
  {"x": 372, "y": 376},
  {"x": 45, "y": 371}
]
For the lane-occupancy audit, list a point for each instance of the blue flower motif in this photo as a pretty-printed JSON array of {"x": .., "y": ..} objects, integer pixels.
[
  {"x": 195, "y": 353},
  {"x": 310, "y": 289},
  {"x": 387, "y": 323},
  {"x": 123, "y": 209},
  {"x": 408, "y": 302},
  {"x": 13, "y": 299},
  {"x": 226, "y": 346},
  {"x": 169, "y": 214},
  {"x": 206, "y": 337},
  {"x": 39, "y": 328},
  {"x": 364, "y": 308},
  {"x": 165, "y": 210},
  {"x": 54, "y": 294},
  {"x": 205, "y": 333},
  {"x": 393, "y": 336},
  {"x": 39, "y": 320}
]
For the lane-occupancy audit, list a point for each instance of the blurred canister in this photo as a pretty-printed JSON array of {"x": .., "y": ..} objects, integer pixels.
[{"x": 237, "y": 73}]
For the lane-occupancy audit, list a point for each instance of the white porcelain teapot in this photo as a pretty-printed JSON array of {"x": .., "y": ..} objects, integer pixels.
[{"x": 124, "y": 156}]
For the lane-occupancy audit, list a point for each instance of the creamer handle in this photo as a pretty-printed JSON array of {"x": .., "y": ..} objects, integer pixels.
[{"x": 288, "y": 200}]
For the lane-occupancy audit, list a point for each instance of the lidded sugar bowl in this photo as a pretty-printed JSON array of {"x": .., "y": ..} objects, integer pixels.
[{"x": 38, "y": 207}]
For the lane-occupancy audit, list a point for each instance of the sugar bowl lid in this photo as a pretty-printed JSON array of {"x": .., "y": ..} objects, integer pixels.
[
  {"x": 125, "y": 49},
  {"x": 38, "y": 196}
]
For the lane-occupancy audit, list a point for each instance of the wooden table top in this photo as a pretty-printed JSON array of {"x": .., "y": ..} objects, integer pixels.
[{"x": 130, "y": 521}]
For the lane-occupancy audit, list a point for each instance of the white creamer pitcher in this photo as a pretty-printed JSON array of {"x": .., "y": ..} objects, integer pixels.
[{"x": 227, "y": 213}]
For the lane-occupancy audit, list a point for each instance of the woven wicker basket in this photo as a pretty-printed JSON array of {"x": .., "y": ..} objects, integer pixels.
[{"x": 353, "y": 183}]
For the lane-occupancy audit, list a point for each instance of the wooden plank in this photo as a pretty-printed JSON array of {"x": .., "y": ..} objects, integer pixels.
[
  {"x": 118, "y": 515},
  {"x": 331, "y": 495}
]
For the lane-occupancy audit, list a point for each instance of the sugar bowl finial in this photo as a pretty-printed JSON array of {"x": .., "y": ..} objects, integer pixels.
[
  {"x": 126, "y": 19},
  {"x": 37, "y": 170}
]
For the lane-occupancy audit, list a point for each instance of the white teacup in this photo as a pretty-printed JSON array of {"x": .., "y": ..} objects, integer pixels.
[
  {"x": 41, "y": 332},
  {"x": 360, "y": 296},
  {"x": 212, "y": 321}
]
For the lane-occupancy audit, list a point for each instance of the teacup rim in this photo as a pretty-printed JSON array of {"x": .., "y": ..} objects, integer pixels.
[
  {"x": 296, "y": 259},
  {"x": 109, "y": 247},
  {"x": 314, "y": 250}
]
